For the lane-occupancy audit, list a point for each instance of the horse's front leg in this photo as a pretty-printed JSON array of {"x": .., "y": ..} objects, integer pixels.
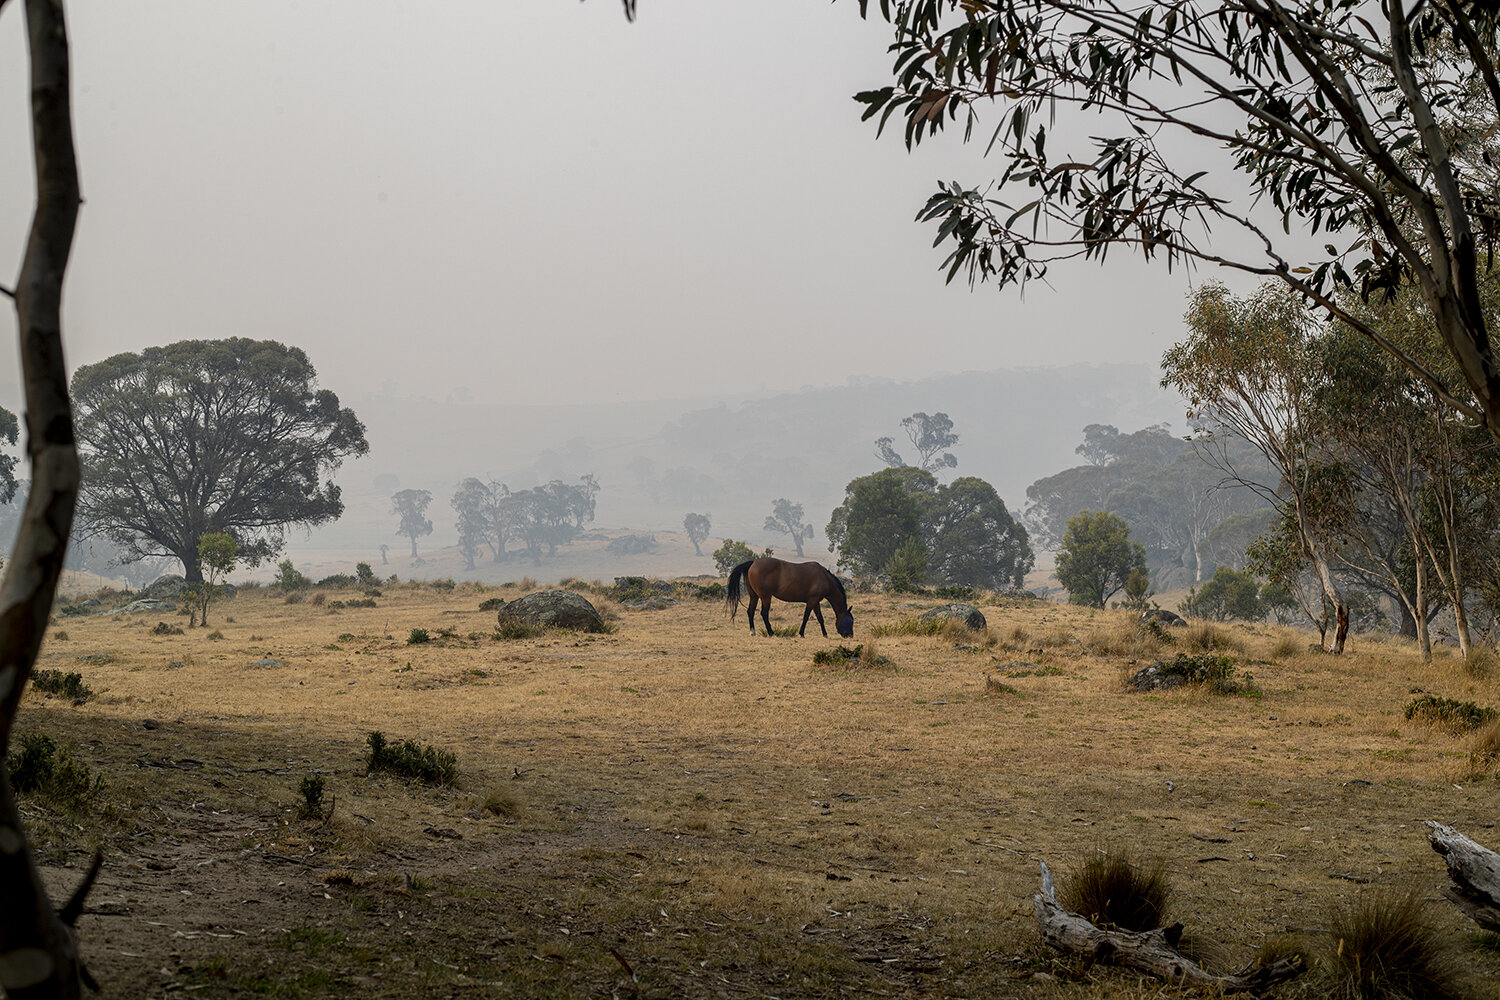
[
  {"x": 806, "y": 614},
  {"x": 753, "y": 600},
  {"x": 817, "y": 610}
]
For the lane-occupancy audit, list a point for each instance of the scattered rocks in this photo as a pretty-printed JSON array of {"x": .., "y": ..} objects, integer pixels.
[
  {"x": 267, "y": 662},
  {"x": 966, "y": 613},
  {"x": 1018, "y": 665},
  {"x": 554, "y": 609}
]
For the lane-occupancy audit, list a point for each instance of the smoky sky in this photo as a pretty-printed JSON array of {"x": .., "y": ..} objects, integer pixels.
[{"x": 529, "y": 201}]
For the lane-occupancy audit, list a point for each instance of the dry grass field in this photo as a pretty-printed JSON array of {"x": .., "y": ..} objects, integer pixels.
[{"x": 679, "y": 809}]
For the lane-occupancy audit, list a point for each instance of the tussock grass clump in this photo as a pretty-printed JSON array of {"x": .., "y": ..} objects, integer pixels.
[
  {"x": 1285, "y": 947},
  {"x": 1286, "y": 647},
  {"x": 513, "y": 628},
  {"x": 69, "y": 685},
  {"x": 1484, "y": 749},
  {"x": 319, "y": 599},
  {"x": 294, "y": 597},
  {"x": 995, "y": 686},
  {"x": 951, "y": 629},
  {"x": 43, "y": 768},
  {"x": 1483, "y": 662},
  {"x": 492, "y": 604},
  {"x": 1111, "y": 890},
  {"x": 1384, "y": 946},
  {"x": 497, "y": 801},
  {"x": 1212, "y": 672},
  {"x": 426, "y": 764},
  {"x": 1208, "y": 638},
  {"x": 1446, "y": 713},
  {"x": 418, "y": 636},
  {"x": 162, "y": 628}
]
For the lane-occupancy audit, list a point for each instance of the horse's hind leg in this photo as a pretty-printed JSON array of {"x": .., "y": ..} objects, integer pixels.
[
  {"x": 817, "y": 610},
  {"x": 753, "y": 600},
  {"x": 806, "y": 614},
  {"x": 765, "y": 615}
]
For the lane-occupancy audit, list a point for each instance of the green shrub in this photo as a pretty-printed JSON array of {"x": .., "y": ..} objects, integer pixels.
[
  {"x": 1231, "y": 595},
  {"x": 338, "y": 581},
  {"x": 732, "y": 553},
  {"x": 1459, "y": 716},
  {"x": 68, "y": 685},
  {"x": 908, "y": 566},
  {"x": 311, "y": 791},
  {"x": 162, "y": 628},
  {"x": 289, "y": 577},
  {"x": 492, "y": 604},
  {"x": 1110, "y": 890},
  {"x": 446, "y": 584},
  {"x": 364, "y": 574},
  {"x": 426, "y": 764},
  {"x": 417, "y": 637},
  {"x": 360, "y": 602},
  {"x": 43, "y": 768},
  {"x": 709, "y": 591}
]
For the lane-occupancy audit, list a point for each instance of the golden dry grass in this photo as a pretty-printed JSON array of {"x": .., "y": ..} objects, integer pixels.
[{"x": 709, "y": 808}]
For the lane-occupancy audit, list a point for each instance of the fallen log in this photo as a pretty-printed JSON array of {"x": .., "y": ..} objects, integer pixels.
[
  {"x": 1475, "y": 872},
  {"x": 1153, "y": 951}
]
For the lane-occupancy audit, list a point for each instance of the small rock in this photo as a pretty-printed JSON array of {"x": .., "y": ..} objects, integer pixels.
[{"x": 267, "y": 662}]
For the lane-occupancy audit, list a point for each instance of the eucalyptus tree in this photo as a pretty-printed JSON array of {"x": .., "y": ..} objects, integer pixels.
[
  {"x": 786, "y": 518},
  {"x": 411, "y": 507},
  {"x": 205, "y": 436},
  {"x": 697, "y": 527},
  {"x": 1158, "y": 126},
  {"x": 1247, "y": 369}
]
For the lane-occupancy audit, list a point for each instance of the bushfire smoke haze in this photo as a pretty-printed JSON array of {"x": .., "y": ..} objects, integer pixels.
[{"x": 528, "y": 201}]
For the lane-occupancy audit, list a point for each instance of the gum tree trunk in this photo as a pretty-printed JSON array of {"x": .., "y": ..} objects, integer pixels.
[{"x": 38, "y": 950}]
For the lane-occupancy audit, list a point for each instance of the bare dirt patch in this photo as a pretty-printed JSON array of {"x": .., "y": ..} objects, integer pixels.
[{"x": 681, "y": 809}]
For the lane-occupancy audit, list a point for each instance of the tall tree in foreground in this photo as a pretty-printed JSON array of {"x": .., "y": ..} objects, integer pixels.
[
  {"x": 38, "y": 949},
  {"x": 786, "y": 518},
  {"x": 1373, "y": 124},
  {"x": 207, "y": 436},
  {"x": 411, "y": 507}
]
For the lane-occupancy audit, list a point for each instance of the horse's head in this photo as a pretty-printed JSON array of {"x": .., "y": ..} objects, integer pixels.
[{"x": 845, "y": 624}]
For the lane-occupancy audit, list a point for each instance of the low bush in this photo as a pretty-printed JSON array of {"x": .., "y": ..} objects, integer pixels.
[
  {"x": 311, "y": 791},
  {"x": 162, "y": 628},
  {"x": 492, "y": 604},
  {"x": 418, "y": 636},
  {"x": 43, "y": 768},
  {"x": 1446, "y": 713},
  {"x": 445, "y": 584},
  {"x": 339, "y": 581},
  {"x": 426, "y": 764},
  {"x": 69, "y": 685}
]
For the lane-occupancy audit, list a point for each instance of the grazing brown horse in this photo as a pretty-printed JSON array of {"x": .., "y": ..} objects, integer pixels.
[{"x": 807, "y": 582}]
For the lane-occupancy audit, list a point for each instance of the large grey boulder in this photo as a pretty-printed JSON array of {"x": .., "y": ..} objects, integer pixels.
[
  {"x": 553, "y": 609},
  {"x": 1163, "y": 616},
  {"x": 164, "y": 587},
  {"x": 966, "y": 613}
]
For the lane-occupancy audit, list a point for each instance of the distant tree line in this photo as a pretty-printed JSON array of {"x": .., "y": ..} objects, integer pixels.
[{"x": 531, "y": 522}]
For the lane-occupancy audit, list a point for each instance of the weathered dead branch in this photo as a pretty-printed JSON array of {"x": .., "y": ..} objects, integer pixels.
[
  {"x": 1475, "y": 871},
  {"x": 1154, "y": 951}
]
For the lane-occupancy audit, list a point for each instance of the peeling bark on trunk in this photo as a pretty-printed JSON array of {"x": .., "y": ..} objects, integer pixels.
[
  {"x": 1475, "y": 872},
  {"x": 38, "y": 951},
  {"x": 1154, "y": 952}
]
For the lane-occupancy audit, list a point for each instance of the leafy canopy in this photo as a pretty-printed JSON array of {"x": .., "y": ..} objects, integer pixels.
[
  {"x": 1371, "y": 125},
  {"x": 1097, "y": 557},
  {"x": 207, "y": 436}
]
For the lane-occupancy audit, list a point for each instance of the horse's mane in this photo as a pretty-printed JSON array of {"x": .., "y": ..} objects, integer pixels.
[{"x": 839, "y": 584}]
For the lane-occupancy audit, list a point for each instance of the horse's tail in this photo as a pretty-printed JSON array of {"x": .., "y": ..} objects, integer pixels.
[{"x": 732, "y": 592}]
